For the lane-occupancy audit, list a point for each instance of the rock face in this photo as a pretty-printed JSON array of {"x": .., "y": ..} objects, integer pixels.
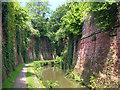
[
  {"x": 45, "y": 51},
  {"x": 93, "y": 52}
]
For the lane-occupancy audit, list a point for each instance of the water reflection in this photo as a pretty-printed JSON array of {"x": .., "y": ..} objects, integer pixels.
[{"x": 53, "y": 74}]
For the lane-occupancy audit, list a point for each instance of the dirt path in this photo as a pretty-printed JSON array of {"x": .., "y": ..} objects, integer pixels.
[{"x": 21, "y": 81}]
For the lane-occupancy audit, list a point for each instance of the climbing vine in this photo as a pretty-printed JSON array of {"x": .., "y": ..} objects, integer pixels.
[
  {"x": 105, "y": 13},
  {"x": 18, "y": 40},
  {"x": 13, "y": 18},
  {"x": 70, "y": 53},
  {"x": 8, "y": 45},
  {"x": 37, "y": 47},
  {"x": 5, "y": 44}
]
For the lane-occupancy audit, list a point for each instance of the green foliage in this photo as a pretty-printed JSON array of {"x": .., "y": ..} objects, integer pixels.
[
  {"x": 9, "y": 31},
  {"x": 69, "y": 53},
  {"x": 38, "y": 12},
  {"x": 9, "y": 83},
  {"x": 59, "y": 62},
  {"x": 77, "y": 78},
  {"x": 37, "y": 67},
  {"x": 32, "y": 82},
  {"x": 33, "y": 32},
  {"x": 38, "y": 64},
  {"x": 30, "y": 78},
  {"x": 62, "y": 28},
  {"x": 18, "y": 40},
  {"x": 21, "y": 15},
  {"x": 24, "y": 52},
  {"x": 37, "y": 47},
  {"x": 21, "y": 30},
  {"x": 14, "y": 23},
  {"x": 92, "y": 82},
  {"x": 51, "y": 84},
  {"x": 73, "y": 20},
  {"x": 73, "y": 75},
  {"x": 54, "y": 31},
  {"x": 105, "y": 13}
]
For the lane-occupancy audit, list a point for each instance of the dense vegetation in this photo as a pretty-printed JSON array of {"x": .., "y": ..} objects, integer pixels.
[
  {"x": 62, "y": 29},
  {"x": 14, "y": 27},
  {"x": 9, "y": 83}
]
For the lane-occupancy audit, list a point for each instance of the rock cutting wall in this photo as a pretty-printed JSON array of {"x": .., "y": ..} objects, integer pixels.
[
  {"x": 94, "y": 52},
  {"x": 45, "y": 52}
]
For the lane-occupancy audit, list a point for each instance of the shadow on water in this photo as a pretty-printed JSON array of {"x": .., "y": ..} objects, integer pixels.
[{"x": 53, "y": 74}]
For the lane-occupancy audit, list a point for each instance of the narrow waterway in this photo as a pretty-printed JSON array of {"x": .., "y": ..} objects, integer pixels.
[{"x": 53, "y": 74}]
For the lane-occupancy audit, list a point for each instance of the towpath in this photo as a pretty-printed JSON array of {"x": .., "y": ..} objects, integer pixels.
[{"x": 21, "y": 81}]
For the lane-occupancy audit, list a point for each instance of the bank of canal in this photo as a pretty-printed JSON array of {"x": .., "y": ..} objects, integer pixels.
[{"x": 48, "y": 73}]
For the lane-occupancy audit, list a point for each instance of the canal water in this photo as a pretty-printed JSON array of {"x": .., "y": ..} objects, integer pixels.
[{"x": 53, "y": 74}]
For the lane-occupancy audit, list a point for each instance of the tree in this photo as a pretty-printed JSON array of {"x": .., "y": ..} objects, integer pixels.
[
  {"x": 54, "y": 31},
  {"x": 39, "y": 12},
  {"x": 73, "y": 20}
]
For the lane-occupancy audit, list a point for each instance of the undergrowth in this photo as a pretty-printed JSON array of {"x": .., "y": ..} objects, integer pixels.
[
  {"x": 9, "y": 83},
  {"x": 31, "y": 78},
  {"x": 73, "y": 76}
]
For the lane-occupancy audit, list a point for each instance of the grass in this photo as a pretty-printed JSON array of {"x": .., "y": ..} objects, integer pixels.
[
  {"x": 32, "y": 82},
  {"x": 30, "y": 78},
  {"x": 9, "y": 83},
  {"x": 45, "y": 61}
]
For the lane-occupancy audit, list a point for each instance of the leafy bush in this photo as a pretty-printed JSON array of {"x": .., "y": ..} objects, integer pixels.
[
  {"x": 51, "y": 84},
  {"x": 92, "y": 82},
  {"x": 59, "y": 59},
  {"x": 74, "y": 76},
  {"x": 37, "y": 64}
]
